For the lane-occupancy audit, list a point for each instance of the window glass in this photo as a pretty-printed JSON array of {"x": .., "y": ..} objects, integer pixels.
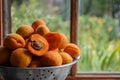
[
  {"x": 99, "y": 35},
  {"x": 54, "y": 12}
]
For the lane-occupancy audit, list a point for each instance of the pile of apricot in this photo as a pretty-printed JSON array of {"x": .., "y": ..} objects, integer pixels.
[{"x": 36, "y": 46}]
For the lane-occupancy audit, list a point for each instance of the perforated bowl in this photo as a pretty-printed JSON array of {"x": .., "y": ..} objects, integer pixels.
[{"x": 42, "y": 73}]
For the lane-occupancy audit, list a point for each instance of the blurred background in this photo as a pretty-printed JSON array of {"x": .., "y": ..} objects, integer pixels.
[{"x": 98, "y": 28}]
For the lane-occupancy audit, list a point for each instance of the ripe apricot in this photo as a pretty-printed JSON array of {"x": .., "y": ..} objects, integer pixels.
[
  {"x": 38, "y": 22},
  {"x": 64, "y": 41},
  {"x": 25, "y": 31},
  {"x": 4, "y": 55},
  {"x": 54, "y": 39},
  {"x": 72, "y": 49},
  {"x": 65, "y": 57},
  {"x": 36, "y": 62},
  {"x": 51, "y": 58},
  {"x": 20, "y": 57},
  {"x": 37, "y": 45},
  {"x": 56, "y": 50},
  {"x": 14, "y": 41},
  {"x": 42, "y": 30}
]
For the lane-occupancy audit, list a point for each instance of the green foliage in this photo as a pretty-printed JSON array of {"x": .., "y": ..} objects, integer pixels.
[
  {"x": 99, "y": 43},
  {"x": 98, "y": 7},
  {"x": 28, "y": 12}
]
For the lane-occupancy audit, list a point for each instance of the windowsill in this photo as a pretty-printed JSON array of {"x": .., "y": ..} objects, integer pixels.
[{"x": 91, "y": 76}]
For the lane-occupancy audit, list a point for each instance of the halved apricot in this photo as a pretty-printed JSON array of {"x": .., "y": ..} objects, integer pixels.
[
  {"x": 37, "y": 44},
  {"x": 14, "y": 41}
]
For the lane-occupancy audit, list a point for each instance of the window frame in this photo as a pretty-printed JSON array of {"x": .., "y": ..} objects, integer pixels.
[
  {"x": 5, "y": 20},
  {"x": 1, "y": 25}
]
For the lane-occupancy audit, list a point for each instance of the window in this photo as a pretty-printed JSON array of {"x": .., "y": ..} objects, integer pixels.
[{"x": 5, "y": 20}]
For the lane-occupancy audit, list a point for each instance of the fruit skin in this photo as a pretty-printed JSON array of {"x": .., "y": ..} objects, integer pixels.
[
  {"x": 56, "y": 50},
  {"x": 72, "y": 49},
  {"x": 4, "y": 55},
  {"x": 40, "y": 47},
  {"x": 20, "y": 57},
  {"x": 54, "y": 39},
  {"x": 14, "y": 41},
  {"x": 36, "y": 62},
  {"x": 38, "y": 22},
  {"x": 66, "y": 58},
  {"x": 51, "y": 58},
  {"x": 25, "y": 31},
  {"x": 64, "y": 42},
  {"x": 42, "y": 30}
]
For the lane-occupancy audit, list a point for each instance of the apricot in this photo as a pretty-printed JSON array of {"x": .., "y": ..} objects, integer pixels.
[
  {"x": 72, "y": 49},
  {"x": 66, "y": 58},
  {"x": 37, "y": 45},
  {"x": 51, "y": 58},
  {"x": 42, "y": 30},
  {"x": 38, "y": 22},
  {"x": 54, "y": 39},
  {"x": 56, "y": 50},
  {"x": 14, "y": 41},
  {"x": 4, "y": 55},
  {"x": 64, "y": 41},
  {"x": 20, "y": 57},
  {"x": 25, "y": 31},
  {"x": 36, "y": 62}
]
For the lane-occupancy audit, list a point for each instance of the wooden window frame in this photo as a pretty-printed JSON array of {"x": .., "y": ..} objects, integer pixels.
[
  {"x": 1, "y": 25},
  {"x": 5, "y": 19},
  {"x": 5, "y": 28}
]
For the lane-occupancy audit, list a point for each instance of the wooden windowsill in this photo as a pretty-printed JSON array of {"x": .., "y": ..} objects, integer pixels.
[{"x": 95, "y": 76}]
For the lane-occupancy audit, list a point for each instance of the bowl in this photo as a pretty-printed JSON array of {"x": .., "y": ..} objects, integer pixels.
[{"x": 41, "y": 73}]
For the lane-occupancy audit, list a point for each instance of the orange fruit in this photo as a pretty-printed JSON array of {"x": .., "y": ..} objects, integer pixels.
[
  {"x": 4, "y": 55},
  {"x": 54, "y": 39},
  {"x": 36, "y": 62},
  {"x": 25, "y": 31},
  {"x": 51, "y": 58},
  {"x": 66, "y": 57},
  {"x": 42, "y": 30},
  {"x": 72, "y": 49},
  {"x": 37, "y": 45},
  {"x": 20, "y": 57},
  {"x": 14, "y": 41},
  {"x": 38, "y": 22},
  {"x": 64, "y": 42}
]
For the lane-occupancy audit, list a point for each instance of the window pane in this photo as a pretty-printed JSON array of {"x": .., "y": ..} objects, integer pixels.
[
  {"x": 54, "y": 12},
  {"x": 99, "y": 36}
]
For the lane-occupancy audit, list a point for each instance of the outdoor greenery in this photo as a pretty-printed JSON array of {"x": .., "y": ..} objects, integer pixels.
[
  {"x": 99, "y": 43},
  {"x": 98, "y": 37},
  {"x": 26, "y": 13}
]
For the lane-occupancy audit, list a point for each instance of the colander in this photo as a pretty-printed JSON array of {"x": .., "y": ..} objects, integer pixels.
[{"x": 42, "y": 73}]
